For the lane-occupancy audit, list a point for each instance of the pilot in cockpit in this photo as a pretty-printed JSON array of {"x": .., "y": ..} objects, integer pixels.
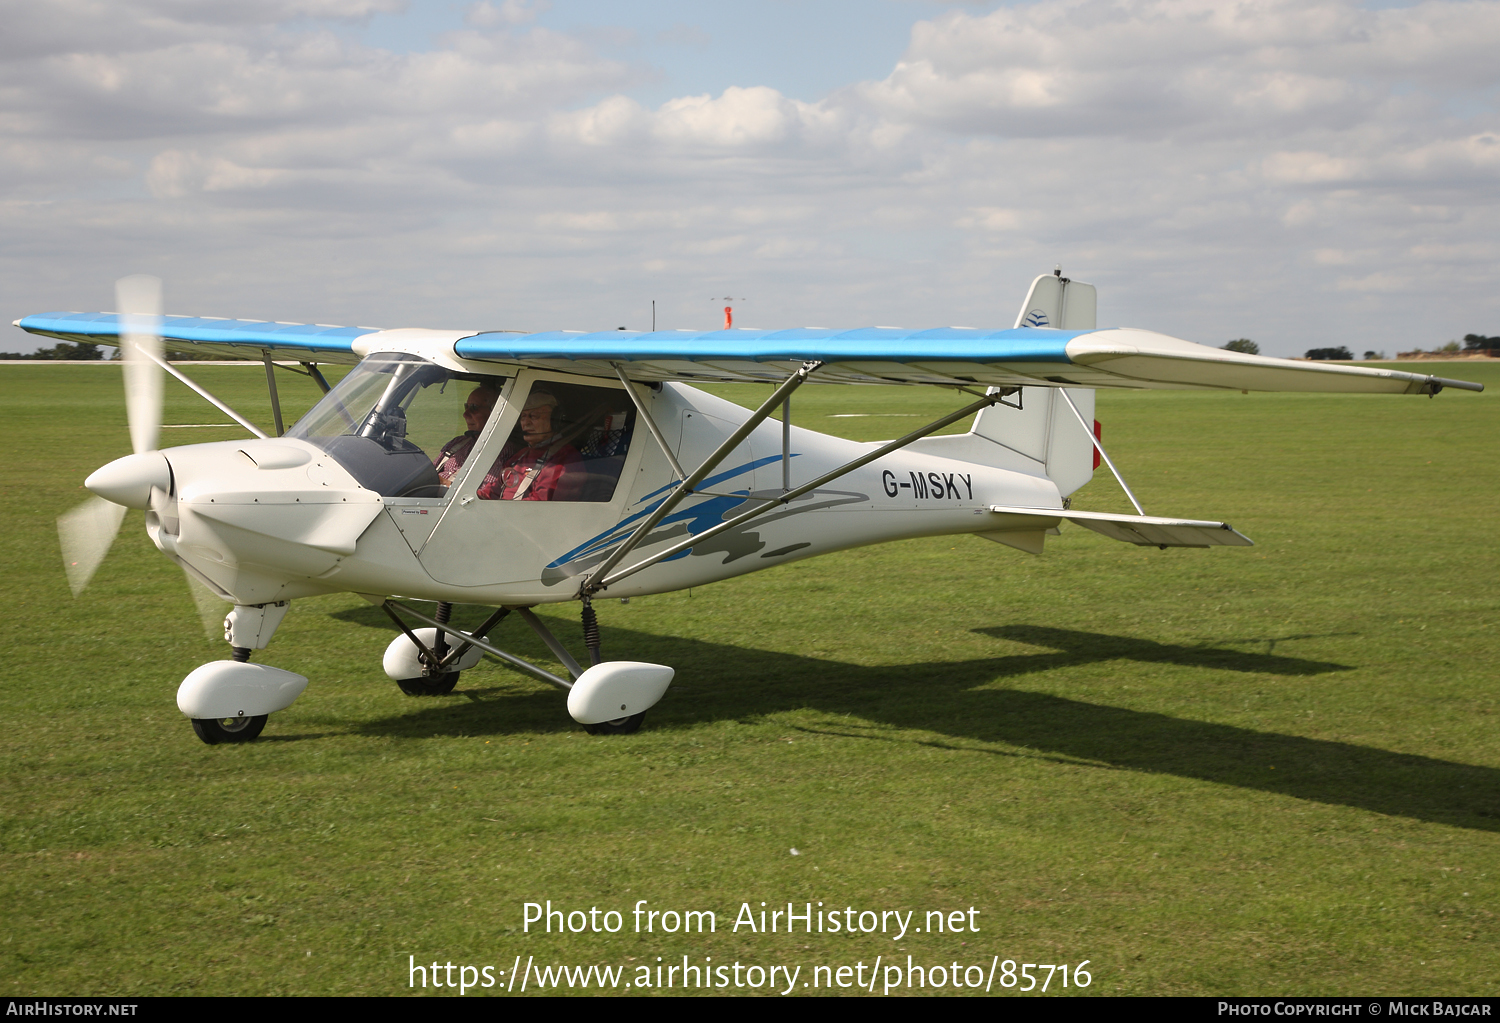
[
  {"x": 477, "y": 409},
  {"x": 541, "y": 465}
]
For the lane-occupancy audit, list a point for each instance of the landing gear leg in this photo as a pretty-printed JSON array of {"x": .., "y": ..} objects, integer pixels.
[
  {"x": 591, "y": 632},
  {"x": 426, "y": 662},
  {"x": 435, "y": 680},
  {"x": 229, "y": 701},
  {"x": 619, "y": 726},
  {"x": 595, "y": 696}
]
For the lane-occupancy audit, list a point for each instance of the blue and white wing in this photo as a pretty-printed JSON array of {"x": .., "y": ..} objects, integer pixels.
[
  {"x": 1121, "y": 357},
  {"x": 951, "y": 356},
  {"x": 245, "y": 339}
]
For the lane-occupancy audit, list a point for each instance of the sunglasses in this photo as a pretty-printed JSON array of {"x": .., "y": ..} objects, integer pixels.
[{"x": 471, "y": 407}]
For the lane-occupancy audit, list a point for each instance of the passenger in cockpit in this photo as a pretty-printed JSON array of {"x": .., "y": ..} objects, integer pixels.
[
  {"x": 542, "y": 466},
  {"x": 477, "y": 411}
]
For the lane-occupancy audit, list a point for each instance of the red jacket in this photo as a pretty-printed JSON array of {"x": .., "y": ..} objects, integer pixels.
[{"x": 555, "y": 477}]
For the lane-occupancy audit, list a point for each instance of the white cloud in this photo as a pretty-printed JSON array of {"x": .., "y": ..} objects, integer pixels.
[
  {"x": 487, "y": 14},
  {"x": 739, "y": 117}
]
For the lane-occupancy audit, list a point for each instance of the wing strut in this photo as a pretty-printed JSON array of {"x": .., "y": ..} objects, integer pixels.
[
  {"x": 786, "y": 443},
  {"x": 215, "y": 402},
  {"x": 791, "y": 495},
  {"x": 265, "y": 357},
  {"x": 640, "y": 407},
  {"x": 313, "y": 371},
  {"x": 591, "y": 583},
  {"x": 309, "y": 370},
  {"x": 1099, "y": 446}
]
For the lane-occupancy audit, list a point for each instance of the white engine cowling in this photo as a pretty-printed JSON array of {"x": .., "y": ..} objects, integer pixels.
[
  {"x": 401, "y": 661},
  {"x": 617, "y": 689},
  {"x": 228, "y": 689}
]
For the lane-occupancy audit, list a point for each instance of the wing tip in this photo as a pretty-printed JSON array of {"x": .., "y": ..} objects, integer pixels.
[{"x": 1436, "y": 384}]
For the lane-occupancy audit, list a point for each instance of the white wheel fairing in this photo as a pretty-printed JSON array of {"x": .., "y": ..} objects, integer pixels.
[
  {"x": 231, "y": 689},
  {"x": 401, "y": 660},
  {"x": 617, "y": 689}
]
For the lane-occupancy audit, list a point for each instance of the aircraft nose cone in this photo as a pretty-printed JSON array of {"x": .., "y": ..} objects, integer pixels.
[{"x": 129, "y": 480}]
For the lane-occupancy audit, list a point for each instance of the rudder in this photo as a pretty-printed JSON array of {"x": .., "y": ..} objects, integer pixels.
[{"x": 1044, "y": 430}]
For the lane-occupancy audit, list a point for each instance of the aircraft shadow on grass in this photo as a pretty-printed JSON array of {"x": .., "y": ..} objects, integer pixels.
[{"x": 962, "y": 701}]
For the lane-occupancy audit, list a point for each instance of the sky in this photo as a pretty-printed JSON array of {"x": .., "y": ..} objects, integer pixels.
[{"x": 1305, "y": 174}]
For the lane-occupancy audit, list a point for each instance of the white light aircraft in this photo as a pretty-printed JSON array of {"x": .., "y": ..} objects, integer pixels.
[{"x": 589, "y": 467}]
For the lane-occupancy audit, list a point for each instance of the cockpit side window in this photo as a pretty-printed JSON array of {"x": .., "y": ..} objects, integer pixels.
[{"x": 569, "y": 444}]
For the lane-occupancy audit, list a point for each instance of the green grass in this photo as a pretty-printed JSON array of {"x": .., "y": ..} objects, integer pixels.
[{"x": 1235, "y": 771}]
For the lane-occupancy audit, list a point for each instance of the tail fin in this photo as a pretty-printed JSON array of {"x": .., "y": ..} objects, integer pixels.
[
  {"x": 1057, "y": 302},
  {"x": 1042, "y": 436},
  {"x": 1044, "y": 428}
]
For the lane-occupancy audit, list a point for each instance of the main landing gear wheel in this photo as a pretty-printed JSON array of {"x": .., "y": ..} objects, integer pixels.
[
  {"x": 216, "y": 730},
  {"x": 619, "y": 726},
  {"x": 429, "y": 685}
]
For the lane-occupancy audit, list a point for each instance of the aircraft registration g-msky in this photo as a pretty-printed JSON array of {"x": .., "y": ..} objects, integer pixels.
[{"x": 513, "y": 469}]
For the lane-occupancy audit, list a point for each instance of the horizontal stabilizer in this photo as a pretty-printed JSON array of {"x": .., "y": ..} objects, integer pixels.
[{"x": 1141, "y": 530}]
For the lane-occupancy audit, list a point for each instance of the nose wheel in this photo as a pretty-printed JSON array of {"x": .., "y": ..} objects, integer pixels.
[
  {"x": 229, "y": 701},
  {"x": 237, "y": 729}
]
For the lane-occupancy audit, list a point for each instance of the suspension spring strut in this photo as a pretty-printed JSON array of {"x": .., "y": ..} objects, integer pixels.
[
  {"x": 591, "y": 630},
  {"x": 444, "y": 612}
]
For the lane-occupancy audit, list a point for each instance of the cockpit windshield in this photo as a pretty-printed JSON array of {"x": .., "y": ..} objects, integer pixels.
[{"x": 391, "y": 423}]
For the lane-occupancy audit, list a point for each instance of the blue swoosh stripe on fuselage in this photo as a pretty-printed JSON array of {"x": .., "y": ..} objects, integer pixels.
[
  {"x": 715, "y": 480},
  {"x": 609, "y": 537}
]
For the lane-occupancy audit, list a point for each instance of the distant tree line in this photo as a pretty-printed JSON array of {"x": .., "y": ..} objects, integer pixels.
[
  {"x": 1475, "y": 343},
  {"x": 88, "y": 351},
  {"x": 1340, "y": 352},
  {"x": 81, "y": 351},
  {"x": 1248, "y": 347},
  {"x": 1472, "y": 343}
]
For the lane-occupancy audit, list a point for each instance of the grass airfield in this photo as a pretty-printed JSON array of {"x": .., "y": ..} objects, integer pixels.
[{"x": 1271, "y": 770}]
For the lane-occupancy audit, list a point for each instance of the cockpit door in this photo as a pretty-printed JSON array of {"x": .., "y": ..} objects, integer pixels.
[{"x": 530, "y": 496}]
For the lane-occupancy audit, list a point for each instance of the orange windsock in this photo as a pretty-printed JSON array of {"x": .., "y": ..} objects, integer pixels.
[{"x": 728, "y": 317}]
